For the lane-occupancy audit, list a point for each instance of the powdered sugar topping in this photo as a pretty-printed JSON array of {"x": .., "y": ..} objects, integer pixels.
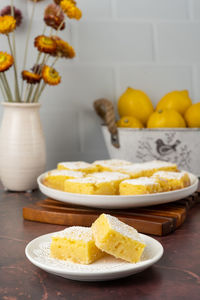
[
  {"x": 68, "y": 173},
  {"x": 76, "y": 233},
  {"x": 142, "y": 181},
  {"x": 123, "y": 228},
  {"x": 109, "y": 176},
  {"x": 170, "y": 175},
  {"x": 75, "y": 165},
  {"x": 112, "y": 162},
  {"x": 139, "y": 167}
]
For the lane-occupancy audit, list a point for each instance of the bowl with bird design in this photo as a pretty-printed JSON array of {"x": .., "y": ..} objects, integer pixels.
[{"x": 177, "y": 145}]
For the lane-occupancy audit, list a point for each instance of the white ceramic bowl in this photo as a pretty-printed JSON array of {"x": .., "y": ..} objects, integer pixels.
[{"x": 178, "y": 145}]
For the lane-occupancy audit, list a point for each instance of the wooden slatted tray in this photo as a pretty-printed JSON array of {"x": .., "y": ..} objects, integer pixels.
[{"x": 157, "y": 220}]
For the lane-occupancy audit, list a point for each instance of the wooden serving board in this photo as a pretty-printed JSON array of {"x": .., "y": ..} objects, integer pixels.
[{"x": 158, "y": 220}]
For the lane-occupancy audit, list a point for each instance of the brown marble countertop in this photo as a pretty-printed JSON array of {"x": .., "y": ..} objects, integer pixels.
[{"x": 175, "y": 276}]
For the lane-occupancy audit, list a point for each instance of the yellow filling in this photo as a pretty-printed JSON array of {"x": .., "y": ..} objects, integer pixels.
[
  {"x": 114, "y": 242},
  {"x": 76, "y": 250}
]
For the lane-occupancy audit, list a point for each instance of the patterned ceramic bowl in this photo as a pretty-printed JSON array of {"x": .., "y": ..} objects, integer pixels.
[{"x": 179, "y": 145}]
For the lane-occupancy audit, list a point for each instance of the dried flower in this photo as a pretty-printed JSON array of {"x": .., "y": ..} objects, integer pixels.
[
  {"x": 45, "y": 44},
  {"x": 7, "y": 24},
  {"x": 36, "y": 0},
  {"x": 37, "y": 68},
  {"x": 50, "y": 76},
  {"x": 31, "y": 77},
  {"x": 7, "y": 11},
  {"x": 70, "y": 9},
  {"x": 63, "y": 49},
  {"x": 6, "y": 61},
  {"x": 54, "y": 17},
  {"x": 58, "y": 1}
]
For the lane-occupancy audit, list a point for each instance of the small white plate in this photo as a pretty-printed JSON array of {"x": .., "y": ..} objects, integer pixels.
[
  {"x": 114, "y": 202},
  {"x": 107, "y": 268}
]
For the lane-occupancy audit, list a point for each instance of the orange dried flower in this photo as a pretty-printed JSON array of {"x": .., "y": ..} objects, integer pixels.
[
  {"x": 7, "y": 24},
  {"x": 54, "y": 17},
  {"x": 45, "y": 44},
  {"x": 6, "y": 61},
  {"x": 63, "y": 49},
  {"x": 70, "y": 9},
  {"x": 50, "y": 76},
  {"x": 31, "y": 77}
]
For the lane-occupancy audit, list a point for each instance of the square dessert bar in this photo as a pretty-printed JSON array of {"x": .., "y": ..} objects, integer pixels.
[
  {"x": 117, "y": 238},
  {"x": 110, "y": 164},
  {"x": 90, "y": 186},
  {"x": 114, "y": 177},
  {"x": 55, "y": 179},
  {"x": 139, "y": 186},
  {"x": 77, "y": 166},
  {"x": 172, "y": 180},
  {"x": 75, "y": 244},
  {"x": 147, "y": 169}
]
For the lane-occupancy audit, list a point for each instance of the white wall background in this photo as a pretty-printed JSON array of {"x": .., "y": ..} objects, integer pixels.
[{"x": 153, "y": 45}]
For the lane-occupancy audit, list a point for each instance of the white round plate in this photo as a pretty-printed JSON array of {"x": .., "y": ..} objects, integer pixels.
[
  {"x": 106, "y": 268},
  {"x": 115, "y": 202}
]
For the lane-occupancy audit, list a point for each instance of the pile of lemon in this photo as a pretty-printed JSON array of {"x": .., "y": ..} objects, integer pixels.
[{"x": 174, "y": 110}]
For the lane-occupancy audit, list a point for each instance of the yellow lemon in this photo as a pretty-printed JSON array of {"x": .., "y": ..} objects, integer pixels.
[
  {"x": 135, "y": 103},
  {"x": 176, "y": 100},
  {"x": 129, "y": 122},
  {"x": 192, "y": 115},
  {"x": 166, "y": 119}
]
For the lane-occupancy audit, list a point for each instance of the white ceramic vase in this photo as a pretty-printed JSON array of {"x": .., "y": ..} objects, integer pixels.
[{"x": 22, "y": 146}]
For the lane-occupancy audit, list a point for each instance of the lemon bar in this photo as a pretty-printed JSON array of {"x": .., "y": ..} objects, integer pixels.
[
  {"x": 139, "y": 186},
  {"x": 115, "y": 177},
  {"x": 75, "y": 244},
  {"x": 117, "y": 238},
  {"x": 90, "y": 186},
  {"x": 147, "y": 169},
  {"x": 110, "y": 164},
  {"x": 77, "y": 166},
  {"x": 172, "y": 180},
  {"x": 55, "y": 179}
]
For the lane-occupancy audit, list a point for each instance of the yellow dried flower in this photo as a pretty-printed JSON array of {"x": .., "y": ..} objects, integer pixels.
[
  {"x": 70, "y": 9},
  {"x": 58, "y": 1},
  {"x": 63, "y": 49},
  {"x": 50, "y": 76},
  {"x": 31, "y": 77},
  {"x": 7, "y": 24},
  {"x": 45, "y": 44},
  {"x": 6, "y": 61}
]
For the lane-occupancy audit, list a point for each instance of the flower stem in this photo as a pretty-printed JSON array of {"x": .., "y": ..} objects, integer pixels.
[
  {"x": 34, "y": 70},
  {"x": 36, "y": 93},
  {"x": 30, "y": 93},
  {"x": 28, "y": 33},
  {"x": 54, "y": 62},
  {"x": 6, "y": 84},
  {"x": 44, "y": 29},
  {"x": 15, "y": 70},
  {"x": 40, "y": 92},
  {"x": 26, "y": 93},
  {"x": 27, "y": 42},
  {"x": 60, "y": 26},
  {"x": 3, "y": 88}
]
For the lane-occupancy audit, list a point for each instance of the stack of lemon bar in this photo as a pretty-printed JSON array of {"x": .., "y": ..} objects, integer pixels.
[
  {"x": 107, "y": 235},
  {"x": 116, "y": 177}
]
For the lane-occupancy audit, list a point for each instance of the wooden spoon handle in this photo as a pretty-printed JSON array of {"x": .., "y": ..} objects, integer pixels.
[{"x": 104, "y": 109}]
